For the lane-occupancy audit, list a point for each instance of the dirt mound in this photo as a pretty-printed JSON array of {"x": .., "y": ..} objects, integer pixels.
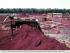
[{"x": 28, "y": 38}]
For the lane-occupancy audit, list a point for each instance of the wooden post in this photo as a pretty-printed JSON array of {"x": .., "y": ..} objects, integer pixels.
[
  {"x": 11, "y": 28},
  {"x": 11, "y": 22}
]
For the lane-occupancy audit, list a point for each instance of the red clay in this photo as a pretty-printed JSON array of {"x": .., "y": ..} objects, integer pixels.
[{"x": 27, "y": 38}]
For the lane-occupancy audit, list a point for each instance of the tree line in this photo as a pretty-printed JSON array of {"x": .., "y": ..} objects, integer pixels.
[{"x": 33, "y": 10}]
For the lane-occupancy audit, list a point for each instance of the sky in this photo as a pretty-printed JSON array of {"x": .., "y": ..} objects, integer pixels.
[{"x": 61, "y": 4}]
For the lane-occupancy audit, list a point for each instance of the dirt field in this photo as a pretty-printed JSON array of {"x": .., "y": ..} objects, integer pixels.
[{"x": 59, "y": 35}]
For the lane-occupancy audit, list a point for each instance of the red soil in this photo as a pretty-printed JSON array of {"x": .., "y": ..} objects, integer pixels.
[
  {"x": 2, "y": 17},
  {"x": 27, "y": 38}
]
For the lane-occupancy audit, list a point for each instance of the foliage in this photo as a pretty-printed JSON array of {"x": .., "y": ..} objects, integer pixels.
[{"x": 34, "y": 10}]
